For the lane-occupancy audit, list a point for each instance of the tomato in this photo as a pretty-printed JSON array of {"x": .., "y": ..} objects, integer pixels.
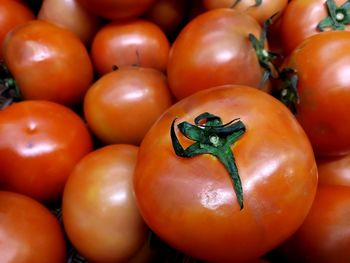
[
  {"x": 260, "y": 10},
  {"x": 195, "y": 206},
  {"x": 324, "y": 236},
  {"x": 12, "y": 14},
  {"x": 214, "y": 49},
  {"x": 29, "y": 233},
  {"x": 48, "y": 62},
  {"x": 41, "y": 141},
  {"x": 167, "y": 14},
  {"x": 121, "y": 106},
  {"x": 98, "y": 207},
  {"x": 76, "y": 18},
  {"x": 130, "y": 42},
  {"x": 322, "y": 66},
  {"x": 334, "y": 170},
  {"x": 298, "y": 23},
  {"x": 118, "y": 9}
]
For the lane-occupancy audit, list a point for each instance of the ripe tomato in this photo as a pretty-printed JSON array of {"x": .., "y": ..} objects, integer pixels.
[
  {"x": 29, "y": 233},
  {"x": 322, "y": 65},
  {"x": 214, "y": 49},
  {"x": 130, "y": 42},
  {"x": 334, "y": 170},
  {"x": 260, "y": 10},
  {"x": 41, "y": 141},
  {"x": 118, "y": 9},
  {"x": 301, "y": 18},
  {"x": 191, "y": 203},
  {"x": 98, "y": 207},
  {"x": 76, "y": 18},
  {"x": 12, "y": 14},
  {"x": 122, "y": 105},
  {"x": 324, "y": 236},
  {"x": 48, "y": 62}
]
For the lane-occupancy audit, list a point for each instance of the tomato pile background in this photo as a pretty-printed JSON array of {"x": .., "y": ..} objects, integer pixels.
[{"x": 93, "y": 94}]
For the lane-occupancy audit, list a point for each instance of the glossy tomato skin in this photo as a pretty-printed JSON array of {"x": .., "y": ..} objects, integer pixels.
[
  {"x": 59, "y": 64},
  {"x": 324, "y": 235},
  {"x": 190, "y": 202},
  {"x": 122, "y": 105},
  {"x": 321, "y": 63},
  {"x": 130, "y": 42},
  {"x": 77, "y": 18},
  {"x": 41, "y": 142},
  {"x": 118, "y": 9},
  {"x": 12, "y": 14},
  {"x": 29, "y": 232},
  {"x": 334, "y": 170},
  {"x": 297, "y": 24},
  {"x": 261, "y": 12},
  {"x": 98, "y": 208},
  {"x": 214, "y": 49}
]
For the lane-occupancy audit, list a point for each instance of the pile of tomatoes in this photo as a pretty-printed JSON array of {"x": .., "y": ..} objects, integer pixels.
[{"x": 174, "y": 131}]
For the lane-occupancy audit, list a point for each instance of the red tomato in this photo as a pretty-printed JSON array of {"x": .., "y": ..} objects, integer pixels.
[
  {"x": 41, "y": 142},
  {"x": 260, "y": 11},
  {"x": 12, "y": 14},
  {"x": 29, "y": 233},
  {"x": 322, "y": 65},
  {"x": 167, "y": 14},
  {"x": 324, "y": 236},
  {"x": 301, "y": 18},
  {"x": 122, "y": 105},
  {"x": 214, "y": 49},
  {"x": 98, "y": 207},
  {"x": 191, "y": 203},
  {"x": 130, "y": 42},
  {"x": 334, "y": 170},
  {"x": 48, "y": 62},
  {"x": 118, "y": 9},
  {"x": 76, "y": 18}
]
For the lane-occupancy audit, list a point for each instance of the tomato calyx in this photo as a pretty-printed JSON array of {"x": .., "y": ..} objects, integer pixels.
[
  {"x": 213, "y": 137},
  {"x": 265, "y": 56},
  {"x": 257, "y": 3},
  {"x": 9, "y": 91},
  {"x": 288, "y": 93},
  {"x": 338, "y": 16}
]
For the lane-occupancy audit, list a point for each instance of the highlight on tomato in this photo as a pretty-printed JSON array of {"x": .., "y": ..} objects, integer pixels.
[
  {"x": 225, "y": 175},
  {"x": 41, "y": 141},
  {"x": 48, "y": 62},
  {"x": 99, "y": 212},
  {"x": 334, "y": 170},
  {"x": 122, "y": 105},
  {"x": 29, "y": 232}
]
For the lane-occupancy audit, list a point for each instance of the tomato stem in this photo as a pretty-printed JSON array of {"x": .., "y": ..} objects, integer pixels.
[
  {"x": 213, "y": 137},
  {"x": 338, "y": 16},
  {"x": 9, "y": 91}
]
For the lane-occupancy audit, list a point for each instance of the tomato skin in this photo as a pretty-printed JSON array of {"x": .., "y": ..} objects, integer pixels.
[
  {"x": 129, "y": 43},
  {"x": 41, "y": 142},
  {"x": 98, "y": 208},
  {"x": 334, "y": 170},
  {"x": 213, "y": 49},
  {"x": 59, "y": 64},
  {"x": 261, "y": 13},
  {"x": 297, "y": 24},
  {"x": 324, "y": 236},
  {"x": 118, "y": 9},
  {"x": 121, "y": 106},
  {"x": 77, "y": 18},
  {"x": 29, "y": 233},
  {"x": 190, "y": 203},
  {"x": 12, "y": 14},
  {"x": 322, "y": 63}
]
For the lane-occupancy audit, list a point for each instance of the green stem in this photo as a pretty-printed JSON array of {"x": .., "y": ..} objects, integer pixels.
[{"x": 338, "y": 16}]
